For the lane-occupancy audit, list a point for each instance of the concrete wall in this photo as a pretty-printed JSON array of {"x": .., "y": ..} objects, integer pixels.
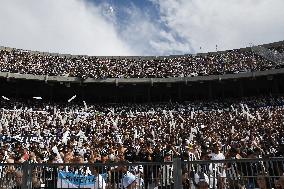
[{"x": 139, "y": 80}]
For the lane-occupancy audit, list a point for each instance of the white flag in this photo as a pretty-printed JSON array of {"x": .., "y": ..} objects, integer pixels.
[
  {"x": 131, "y": 114},
  {"x": 192, "y": 114},
  {"x": 243, "y": 109},
  {"x": 5, "y": 98},
  {"x": 251, "y": 116},
  {"x": 165, "y": 113},
  {"x": 269, "y": 113},
  {"x": 153, "y": 134},
  {"x": 115, "y": 122},
  {"x": 233, "y": 129},
  {"x": 233, "y": 108},
  {"x": 119, "y": 139},
  {"x": 86, "y": 107},
  {"x": 258, "y": 115},
  {"x": 231, "y": 117},
  {"x": 111, "y": 111},
  {"x": 135, "y": 134},
  {"x": 247, "y": 107},
  {"x": 171, "y": 115},
  {"x": 181, "y": 118},
  {"x": 54, "y": 111},
  {"x": 174, "y": 124},
  {"x": 72, "y": 98},
  {"x": 37, "y": 97},
  {"x": 191, "y": 137}
]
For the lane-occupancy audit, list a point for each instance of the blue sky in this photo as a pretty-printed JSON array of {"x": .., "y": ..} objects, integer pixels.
[
  {"x": 122, "y": 12},
  {"x": 143, "y": 5},
  {"x": 139, "y": 27}
]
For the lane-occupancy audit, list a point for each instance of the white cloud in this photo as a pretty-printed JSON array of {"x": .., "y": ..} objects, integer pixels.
[
  {"x": 145, "y": 35},
  {"x": 64, "y": 26},
  {"x": 73, "y": 26},
  {"x": 227, "y": 23}
]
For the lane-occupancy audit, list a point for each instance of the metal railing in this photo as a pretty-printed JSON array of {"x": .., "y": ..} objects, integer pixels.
[
  {"x": 232, "y": 173},
  {"x": 73, "y": 175},
  {"x": 244, "y": 173}
]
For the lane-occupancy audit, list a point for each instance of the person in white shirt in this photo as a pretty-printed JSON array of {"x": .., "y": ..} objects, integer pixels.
[
  {"x": 218, "y": 170},
  {"x": 100, "y": 181},
  {"x": 166, "y": 174}
]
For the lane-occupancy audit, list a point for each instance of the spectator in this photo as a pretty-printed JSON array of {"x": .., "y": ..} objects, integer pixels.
[
  {"x": 202, "y": 181},
  {"x": 231, "y": 61},
  {"x": 64, "y": 133}
]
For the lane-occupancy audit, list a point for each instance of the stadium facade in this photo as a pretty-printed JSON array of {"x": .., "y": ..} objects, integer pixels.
[{"x": 118, "y": 90}]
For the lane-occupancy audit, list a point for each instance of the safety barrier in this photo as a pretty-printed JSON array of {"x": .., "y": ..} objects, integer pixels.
[{"x": 176, "y": 174}]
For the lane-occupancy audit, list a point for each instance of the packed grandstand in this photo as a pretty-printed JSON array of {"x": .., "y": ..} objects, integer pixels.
[
  {"x": 232, "y": 61},
  {"x": 44, "y": 131}
]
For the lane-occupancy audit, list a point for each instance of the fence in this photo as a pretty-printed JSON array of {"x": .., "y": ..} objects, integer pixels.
[{"x": 244, "y": 173}]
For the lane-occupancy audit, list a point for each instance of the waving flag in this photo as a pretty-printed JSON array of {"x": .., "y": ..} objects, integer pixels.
[
  {"x": 73, "y": 180},
  {"x": 37, "y": 97},
  {"x": 5, "y": 98},
  {"x": 72, "y": 98}
]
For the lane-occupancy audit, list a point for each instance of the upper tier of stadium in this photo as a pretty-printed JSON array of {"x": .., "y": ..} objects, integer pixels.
[{"x": 250, "y": 59}]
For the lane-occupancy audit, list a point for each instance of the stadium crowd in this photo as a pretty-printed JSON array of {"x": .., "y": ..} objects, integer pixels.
[
  {"x": 37, "y": 131},
  {"x": 278, "y": 49},
  {"x": 233, "y": 61}
]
